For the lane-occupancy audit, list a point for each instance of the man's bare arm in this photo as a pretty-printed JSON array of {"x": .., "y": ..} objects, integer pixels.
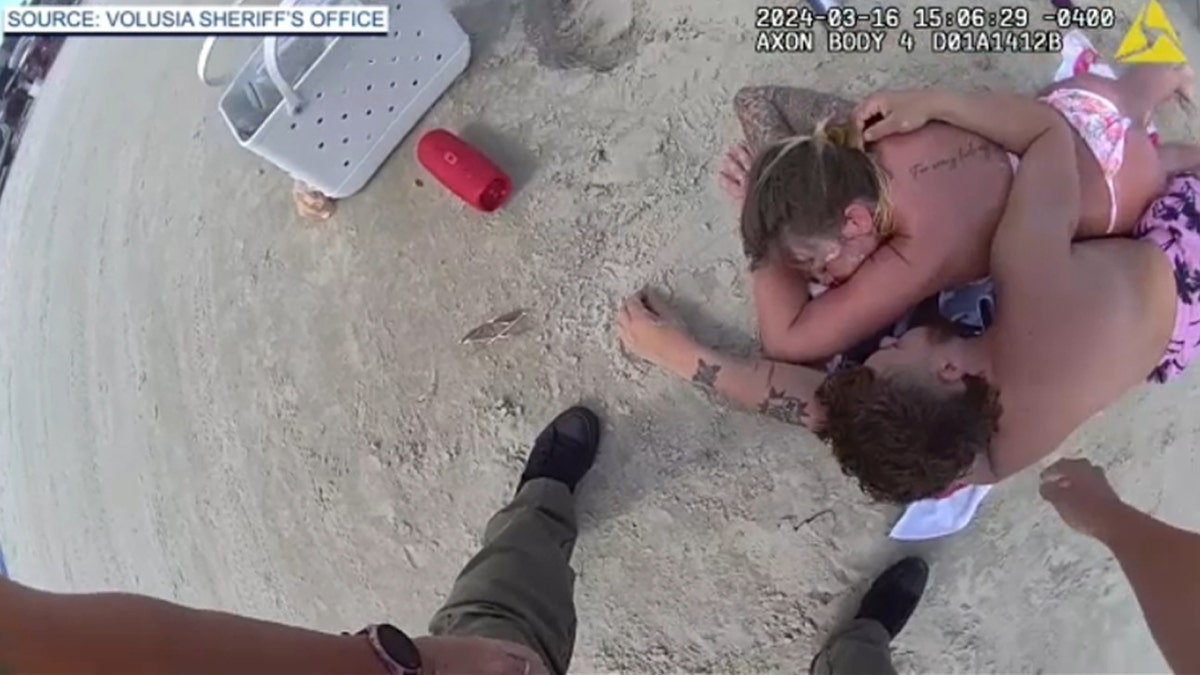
[
  {"x": 121, "y": 634},
  {"x": 771, "y": 113},
  {"x": 1030, "y": 259},
  {"x": 1159, "y": 560}
]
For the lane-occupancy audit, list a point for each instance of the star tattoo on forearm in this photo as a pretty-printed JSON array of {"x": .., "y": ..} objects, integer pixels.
[
  {"x": 706, "y": 374},
  {"x": 781, "y": 406}
]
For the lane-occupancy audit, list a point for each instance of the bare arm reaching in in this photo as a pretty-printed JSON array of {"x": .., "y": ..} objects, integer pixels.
[
  {"x": 124, "y": 634},
  {"x": 784, "y": 391},
  {"x": 1159, "y": 560}
]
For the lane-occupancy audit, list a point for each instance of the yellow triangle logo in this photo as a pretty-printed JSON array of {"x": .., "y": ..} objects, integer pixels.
[{"x": 1151, "y": 39}]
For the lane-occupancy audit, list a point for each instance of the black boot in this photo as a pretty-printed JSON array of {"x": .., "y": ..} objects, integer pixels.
[
  {"x": 894, "y": 595},
  {"x": 565, "y": 450}
]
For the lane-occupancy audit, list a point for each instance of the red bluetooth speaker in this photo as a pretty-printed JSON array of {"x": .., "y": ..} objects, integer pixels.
[{"x": 464, "y": 170}]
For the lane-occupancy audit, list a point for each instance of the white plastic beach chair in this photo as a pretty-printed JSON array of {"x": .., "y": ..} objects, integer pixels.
[{"x": 329, "y": 111}]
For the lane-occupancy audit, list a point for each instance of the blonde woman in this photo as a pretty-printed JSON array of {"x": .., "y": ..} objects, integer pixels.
[{"x": 886, "y": 224}]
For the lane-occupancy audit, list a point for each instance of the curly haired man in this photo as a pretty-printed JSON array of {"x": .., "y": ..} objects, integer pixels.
[{"x": 1076, "y": 325}]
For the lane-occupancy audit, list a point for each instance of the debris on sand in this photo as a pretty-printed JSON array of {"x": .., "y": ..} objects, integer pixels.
[
  {"x": 595, "y": 34},
  {"x": 503, "y": 326},
  {"x": 311, "y": 203}
]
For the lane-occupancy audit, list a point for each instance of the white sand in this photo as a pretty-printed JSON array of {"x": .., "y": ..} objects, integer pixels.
[{"x": 211, "y": 401}]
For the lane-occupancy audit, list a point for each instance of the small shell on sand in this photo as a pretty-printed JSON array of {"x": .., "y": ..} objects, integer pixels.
[{"x": 311, "y": 203}]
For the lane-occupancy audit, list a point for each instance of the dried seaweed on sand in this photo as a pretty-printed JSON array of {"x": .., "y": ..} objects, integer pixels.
[{"x": 499, "y": 328}]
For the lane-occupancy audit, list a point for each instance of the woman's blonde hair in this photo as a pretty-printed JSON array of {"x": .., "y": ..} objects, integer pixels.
[{"x": 799, "y": 187}]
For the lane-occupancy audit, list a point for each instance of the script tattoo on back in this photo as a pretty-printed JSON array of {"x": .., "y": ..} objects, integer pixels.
[
  {"x": 781, "y": 406},
  {"x": 980, "y": 150},
  {"x": 706, "y": 374}
]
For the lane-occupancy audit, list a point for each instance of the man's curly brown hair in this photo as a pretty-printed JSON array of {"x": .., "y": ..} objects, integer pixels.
[{"x": 903, "y": 440}]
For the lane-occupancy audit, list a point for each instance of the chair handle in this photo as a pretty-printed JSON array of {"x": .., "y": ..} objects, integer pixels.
[
  {"x": 270, "y": 60},
  {"x": 205, "y": 53}
]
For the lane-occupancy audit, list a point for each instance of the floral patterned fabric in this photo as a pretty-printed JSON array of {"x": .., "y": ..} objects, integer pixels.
[
  {"x": 1172, "y": 223},
  {"x": 1102, "y": 126}
]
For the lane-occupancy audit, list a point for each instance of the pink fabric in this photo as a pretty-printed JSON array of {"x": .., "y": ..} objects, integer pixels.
[
  {"x": 1172, "y": 223},
  {"x": 1102, "y": 127}
]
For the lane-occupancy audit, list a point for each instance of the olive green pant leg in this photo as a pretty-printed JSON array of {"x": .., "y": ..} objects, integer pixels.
[
  {"x": 863, "y": 647},
  {"x": 520, "y": 586}
]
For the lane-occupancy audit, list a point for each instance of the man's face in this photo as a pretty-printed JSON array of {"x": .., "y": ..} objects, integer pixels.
[{"x": 922, "y": 352}]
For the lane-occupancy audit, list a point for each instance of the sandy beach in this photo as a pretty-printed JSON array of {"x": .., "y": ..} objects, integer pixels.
[{"x": 207, "y": 399}]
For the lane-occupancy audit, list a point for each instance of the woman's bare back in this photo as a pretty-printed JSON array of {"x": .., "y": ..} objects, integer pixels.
[
  {"x": 948, "y": 188},
  {"x": 950, "y": 185}
]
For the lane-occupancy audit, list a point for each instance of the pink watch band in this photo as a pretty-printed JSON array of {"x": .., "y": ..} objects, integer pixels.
[{"x": 390, "y": 664}]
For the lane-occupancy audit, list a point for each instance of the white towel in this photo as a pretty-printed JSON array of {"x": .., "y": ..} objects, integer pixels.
[
  {"x": 933, "y": 518},
  {"x": 1079, "y": 56}
]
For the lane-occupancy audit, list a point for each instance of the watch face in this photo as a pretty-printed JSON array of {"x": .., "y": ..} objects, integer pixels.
[{"x": 398, "y": 647}]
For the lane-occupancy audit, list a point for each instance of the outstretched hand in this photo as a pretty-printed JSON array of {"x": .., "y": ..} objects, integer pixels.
[
  {"x": 735, "y": 167},
  {"x": 649, "y": 329},
  {"x": 893, "y": 112},
  {"x": 1081, "y": 494}
]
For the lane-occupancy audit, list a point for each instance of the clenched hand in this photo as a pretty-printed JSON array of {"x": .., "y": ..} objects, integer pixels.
[{"x": 1081, "y": 494}]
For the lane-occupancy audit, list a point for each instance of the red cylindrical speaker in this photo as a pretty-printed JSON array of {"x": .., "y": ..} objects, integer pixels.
[{"x": 464, "y": 170}]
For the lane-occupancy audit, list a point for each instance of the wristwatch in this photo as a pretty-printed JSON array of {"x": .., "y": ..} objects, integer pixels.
[{"x": 395, "y": 650}]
